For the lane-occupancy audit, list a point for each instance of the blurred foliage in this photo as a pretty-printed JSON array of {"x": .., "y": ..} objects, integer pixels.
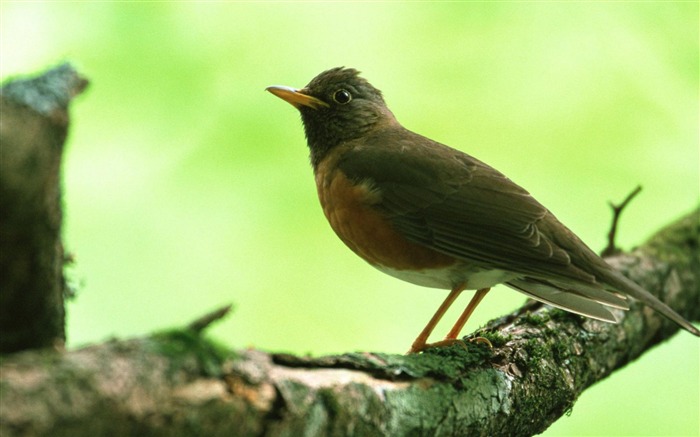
[{"x": 187, "y": 187}]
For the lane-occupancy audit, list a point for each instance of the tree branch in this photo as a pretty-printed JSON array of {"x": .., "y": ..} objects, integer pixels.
[
  {"x": 611, "y": 249},
  {"x": 178, "y": 383}
]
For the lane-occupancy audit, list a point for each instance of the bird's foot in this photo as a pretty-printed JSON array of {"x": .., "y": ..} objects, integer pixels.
[
  {"x": 481, "y": 340},
  {"x": 418, "y": 348}
]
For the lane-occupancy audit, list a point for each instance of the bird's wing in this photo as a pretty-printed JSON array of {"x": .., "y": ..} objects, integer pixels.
[{"x": 451, "y": 202}]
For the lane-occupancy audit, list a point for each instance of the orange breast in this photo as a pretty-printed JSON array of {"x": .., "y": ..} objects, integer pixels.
[{"x": 348, "y": 208}]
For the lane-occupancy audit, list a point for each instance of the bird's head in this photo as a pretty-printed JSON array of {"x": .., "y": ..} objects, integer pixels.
[{"x": 336, "y": 106}]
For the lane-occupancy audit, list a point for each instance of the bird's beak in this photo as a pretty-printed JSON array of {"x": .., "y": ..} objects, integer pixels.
[{"x": 295, "y": 97}]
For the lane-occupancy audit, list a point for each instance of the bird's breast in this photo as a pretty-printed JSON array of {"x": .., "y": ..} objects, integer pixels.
[{"x": 350, "y": 208}]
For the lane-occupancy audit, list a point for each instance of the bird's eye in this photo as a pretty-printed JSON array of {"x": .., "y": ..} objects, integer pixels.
[{"x": 342, "y": 97}]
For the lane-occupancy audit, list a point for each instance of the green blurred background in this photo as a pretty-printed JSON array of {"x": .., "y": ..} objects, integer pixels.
[{"x": 187, "y": 186}]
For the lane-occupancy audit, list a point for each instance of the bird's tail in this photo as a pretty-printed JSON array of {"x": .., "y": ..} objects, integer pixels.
[{"x": 630, "y": 288}]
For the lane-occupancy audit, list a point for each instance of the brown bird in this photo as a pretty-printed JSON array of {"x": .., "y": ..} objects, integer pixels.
[{"x": 437, "y": 217}]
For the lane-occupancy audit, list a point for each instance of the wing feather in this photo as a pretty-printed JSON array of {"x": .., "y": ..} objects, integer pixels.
[{"x": 451, "y": 202}]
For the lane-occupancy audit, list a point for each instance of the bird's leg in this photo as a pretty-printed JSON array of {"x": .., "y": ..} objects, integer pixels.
[
  {"x": 451, "y": 337},
  {"x": 420, "y": 342},
  {"x": 459, "y": 324}
]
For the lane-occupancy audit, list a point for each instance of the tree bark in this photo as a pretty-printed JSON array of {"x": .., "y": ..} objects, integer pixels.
[
  {"x": 33, "y": 127},
  {"x": 178, "y": 383}
]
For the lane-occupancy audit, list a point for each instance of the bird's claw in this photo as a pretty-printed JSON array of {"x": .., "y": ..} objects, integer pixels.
[{"x": 449, "y": 342}]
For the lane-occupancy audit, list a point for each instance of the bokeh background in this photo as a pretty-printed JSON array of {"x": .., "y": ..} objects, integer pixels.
[{"x": 187, "y": 186}]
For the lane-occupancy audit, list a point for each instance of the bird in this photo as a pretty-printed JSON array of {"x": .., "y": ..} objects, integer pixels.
[{"x": 437, "y": 217}]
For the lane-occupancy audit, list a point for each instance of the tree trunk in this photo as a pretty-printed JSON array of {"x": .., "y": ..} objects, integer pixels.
[{"x": 33, "y": 127}]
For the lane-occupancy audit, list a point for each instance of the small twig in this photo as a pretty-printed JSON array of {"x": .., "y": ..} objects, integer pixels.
[
  {"x": 611, "y": 249},
  {"x": 203, "y": 322}
]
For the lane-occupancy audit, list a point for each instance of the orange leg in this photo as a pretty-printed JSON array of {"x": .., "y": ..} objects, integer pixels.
[
  {"x": 459, "y": 324},
  {"x": 420, "y": 342}
]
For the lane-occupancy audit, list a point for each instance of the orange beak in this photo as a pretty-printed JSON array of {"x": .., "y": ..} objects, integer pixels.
[{"x": 295, "y": 97}]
